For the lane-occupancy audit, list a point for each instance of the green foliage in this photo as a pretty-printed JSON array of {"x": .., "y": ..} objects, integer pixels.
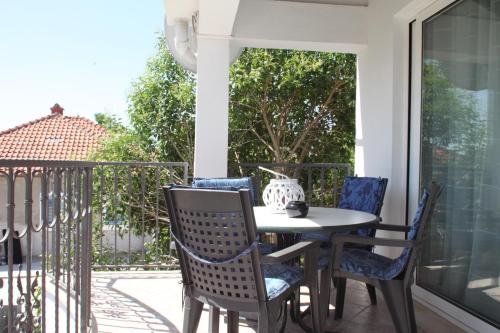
[
  {"x": 162, "y": 108},
  {"x": 285, "y": 106},
  {"x": 292, "y": 106},
  {"x": 128, "y": 195},
  {"x": 450, "y": 116}
]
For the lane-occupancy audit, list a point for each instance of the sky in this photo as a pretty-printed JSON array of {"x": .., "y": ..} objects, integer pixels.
[{"x": 81, "y": 54}]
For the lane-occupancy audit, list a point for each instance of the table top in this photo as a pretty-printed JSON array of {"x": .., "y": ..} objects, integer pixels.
[{"x": 318, "y": 219}]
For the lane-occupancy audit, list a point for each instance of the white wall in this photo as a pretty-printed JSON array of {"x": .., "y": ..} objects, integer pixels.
[
  {"x": 19, "y": 213},
  {"x": 381, "y": 110},
  {"x": 282, "y": 24}
]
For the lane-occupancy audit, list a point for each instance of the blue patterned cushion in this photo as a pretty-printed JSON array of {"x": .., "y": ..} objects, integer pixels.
[
  {"x": 364, "y": 194},
  {"x": 323, "y": 237},
  {"x": 401, "y": 262},
  {"x": 369, "y": 264},
  {"x": 267, "y": 248},
  {"x": 228, "y": 184},
  {"x": 324, "y": 258},
  {"x": 280, "y": 278}
]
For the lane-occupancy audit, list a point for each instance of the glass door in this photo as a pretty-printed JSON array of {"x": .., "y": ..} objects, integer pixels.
[{"x": 459, "y": 146}]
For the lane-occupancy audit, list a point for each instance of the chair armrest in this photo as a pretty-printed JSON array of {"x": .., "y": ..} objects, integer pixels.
[
  {"x": 290, "y": 252},
  {"x": 340, "y": 240},
  {"x": 391, "y": 227}
]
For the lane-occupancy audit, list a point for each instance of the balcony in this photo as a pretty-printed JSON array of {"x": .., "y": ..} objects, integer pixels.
[{"x": 86, "y": 248}]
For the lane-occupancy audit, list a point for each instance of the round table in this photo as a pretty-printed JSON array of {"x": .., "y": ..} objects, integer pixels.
[{"x": 318, "y": 219}]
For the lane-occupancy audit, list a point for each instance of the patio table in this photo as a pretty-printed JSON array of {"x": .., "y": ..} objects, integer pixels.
[{"x": 317, "y": 219}]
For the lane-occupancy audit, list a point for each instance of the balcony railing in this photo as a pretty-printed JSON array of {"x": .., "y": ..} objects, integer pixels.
[
  {"x": 131, "y": 227},
  {"x": 322, "y": 182},
  {"x": 53, "y": 233},
  {"x": 64, "y": 219}
]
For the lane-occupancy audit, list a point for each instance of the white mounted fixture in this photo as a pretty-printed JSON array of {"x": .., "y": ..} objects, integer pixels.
[{"x": 181, "y": 29}]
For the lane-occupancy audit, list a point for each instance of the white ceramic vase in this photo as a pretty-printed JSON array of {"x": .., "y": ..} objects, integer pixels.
[{"x": 281, "y": 191}]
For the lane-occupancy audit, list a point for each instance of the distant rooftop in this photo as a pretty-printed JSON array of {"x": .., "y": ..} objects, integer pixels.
[{"x": 53, "y": 137}]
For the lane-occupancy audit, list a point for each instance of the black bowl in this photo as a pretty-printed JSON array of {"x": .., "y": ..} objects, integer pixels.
[{"x": 297, "y": 209}]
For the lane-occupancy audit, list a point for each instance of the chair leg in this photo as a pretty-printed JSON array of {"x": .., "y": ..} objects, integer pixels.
[
  {"x": 213, "y": 319},
  {"x": 411, "y": 310},
  {"x": 339, "y": 302},
  {"x": 400, "y": 304},
  {"x": 324, "y": 291},
  {"x": 295, "y": 306},
  {"x": 267, "y": 320},
  {"x": 233, "y": 321},
  {"x": 192, "y": 314},
  {"x": 372, "y": 293},
  {"x": 316, "y": 309}
]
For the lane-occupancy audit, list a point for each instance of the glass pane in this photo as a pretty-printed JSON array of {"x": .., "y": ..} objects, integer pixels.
[{"x": 460, "y": 147}]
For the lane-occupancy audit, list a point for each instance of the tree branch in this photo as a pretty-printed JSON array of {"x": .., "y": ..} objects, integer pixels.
[{"x": 322, "y": 113}]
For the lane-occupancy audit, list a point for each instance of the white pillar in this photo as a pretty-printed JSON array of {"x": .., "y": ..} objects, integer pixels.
[{"x": 212, "y": 108}]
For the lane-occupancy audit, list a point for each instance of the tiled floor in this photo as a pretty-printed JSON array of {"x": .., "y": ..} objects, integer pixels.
[{"x": 151, "y": 302}]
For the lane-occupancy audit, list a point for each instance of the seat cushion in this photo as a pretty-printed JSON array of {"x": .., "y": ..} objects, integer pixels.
[
  {"x": 323, "y": 237},
  {"x": 324, "y": 257},
  {"x": 369, "y": 264},
  {"x": 280, "y": 278},
  {"x": 267, "y": 248}
]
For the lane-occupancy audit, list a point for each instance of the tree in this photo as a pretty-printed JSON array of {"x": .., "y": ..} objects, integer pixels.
[
  {"x": 128, "y": 196},
  {"x": 292, "y": 107},
  {"x": 285, "y": 106},
  {"x": 162, "y": 108}
]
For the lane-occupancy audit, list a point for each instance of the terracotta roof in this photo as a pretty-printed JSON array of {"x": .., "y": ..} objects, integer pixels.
[{"x": 54, "y": 137}]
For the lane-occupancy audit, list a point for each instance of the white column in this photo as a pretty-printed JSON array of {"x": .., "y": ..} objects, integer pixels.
[{"x": 212, "y": 108}]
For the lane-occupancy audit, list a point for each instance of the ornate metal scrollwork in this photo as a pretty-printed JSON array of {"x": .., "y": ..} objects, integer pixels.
[{"x": 28, "y": 310}]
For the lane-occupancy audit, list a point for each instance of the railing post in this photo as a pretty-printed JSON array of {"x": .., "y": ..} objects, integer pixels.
[{"x": 10, "y": 245}]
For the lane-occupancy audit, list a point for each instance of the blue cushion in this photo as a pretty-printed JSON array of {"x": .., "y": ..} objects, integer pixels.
[
  {"x": 324, "y": 257},
  {"x": 267, "y": 248},
  {"x": 323, "y": 237},
  {"x": 401, "y": 262},
  {"x": 228, "y": 184},
  {"x": 280, "y": 278},
  {"x": 369, "y": 264},
  {"x": 364, "y": 194}
]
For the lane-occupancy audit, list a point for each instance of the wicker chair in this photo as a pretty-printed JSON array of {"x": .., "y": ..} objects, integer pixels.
[
  {"x": 221, "y": 265},
  {"x": 235, "y": 184},
  {"x": 393, "y": 277}
]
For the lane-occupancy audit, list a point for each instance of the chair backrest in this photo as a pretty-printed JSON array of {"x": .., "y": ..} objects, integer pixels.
[
  {"x": 211, "y": 227},
  {"x": 405, "y": 263},
  {"x": 364, "y": 194},
  {"x": 229, "y": 184}
]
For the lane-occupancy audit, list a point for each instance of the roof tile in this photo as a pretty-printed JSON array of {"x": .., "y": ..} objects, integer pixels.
[{"x": 54, "y": 137}]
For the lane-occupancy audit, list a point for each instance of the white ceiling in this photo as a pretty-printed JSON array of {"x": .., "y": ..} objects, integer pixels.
[{"x": 334, "y": 2}]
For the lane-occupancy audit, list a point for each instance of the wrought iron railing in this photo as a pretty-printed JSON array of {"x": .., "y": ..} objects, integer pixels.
[
  {"x": 46, "y": 244},
  {"x": 131, "y": 226},
  {"x": 322, "y": 182},
  {"x": 65, "y": 218}
]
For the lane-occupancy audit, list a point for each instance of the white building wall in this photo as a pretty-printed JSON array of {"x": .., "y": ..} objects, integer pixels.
[
  {"x": 380, "y": 117},
  {"x": 19, "y": 212}
]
